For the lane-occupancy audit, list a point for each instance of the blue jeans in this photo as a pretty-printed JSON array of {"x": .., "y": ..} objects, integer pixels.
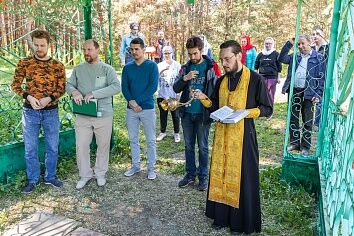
[
  {"x": 193, "y": 128},
  {"x": 133, "y": 120},
  {"x": 32, "y": 121}
]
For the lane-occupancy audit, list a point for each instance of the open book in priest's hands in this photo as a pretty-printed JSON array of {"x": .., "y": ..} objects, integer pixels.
[{"x": 227, "y": 115}]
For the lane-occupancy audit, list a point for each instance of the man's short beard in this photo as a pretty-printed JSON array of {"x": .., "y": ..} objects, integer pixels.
[
  {"x": 41, "y": 57},
  {"x": 89, "y": 59},
  {"x": 197, "y": 62}
]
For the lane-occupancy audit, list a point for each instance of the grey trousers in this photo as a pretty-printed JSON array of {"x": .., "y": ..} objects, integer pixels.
[
  {"x": 148, "y": 119},
  {"x": 85, "y": 127}
]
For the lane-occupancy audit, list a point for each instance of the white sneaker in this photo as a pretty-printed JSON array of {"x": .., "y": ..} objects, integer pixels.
[
  {"x": 161, "y": 136},
  {"x": 177, "y": 138},
  {"x": 101, "y": 181},
  {"x": 151, "y": 175},
  {"x": 132, "y": 171},
  {"x": 82, "y": 182}
]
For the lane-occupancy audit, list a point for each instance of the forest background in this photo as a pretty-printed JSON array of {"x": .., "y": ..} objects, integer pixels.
[{"x": 218, "y": 20}]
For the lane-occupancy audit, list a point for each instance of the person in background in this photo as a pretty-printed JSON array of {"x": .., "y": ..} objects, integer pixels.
[
  {"x": 200, "y": 73},
  {"x": 269, "y": 66},
  {"x": 249, "y": 53},
  {"x": 308, "y": 88},
  {"x": 168, "y": 70},
  {"x": 45, "y": 83},
  {"x": 124, "y": 53},
  {"x": 159, "y": 44},
  {"x": 207, "y": 47},
  {"x": 139, "y": 83},
  {"x": 322, "y": 47},
  {"x": 93, "y": 79}
]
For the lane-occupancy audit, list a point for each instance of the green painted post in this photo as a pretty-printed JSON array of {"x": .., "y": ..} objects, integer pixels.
[
  {"x": 88, "y": 19},
  {"x": 298, "y": 20},
  {"x": 190, "y": 2},
  {"x": 330, "y": 67}
]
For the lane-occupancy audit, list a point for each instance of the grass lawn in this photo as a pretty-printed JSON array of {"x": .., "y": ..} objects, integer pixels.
[{"x": 137, "y": 206}]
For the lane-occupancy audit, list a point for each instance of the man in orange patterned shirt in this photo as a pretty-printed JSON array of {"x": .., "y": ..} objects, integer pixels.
[{"x": 44, "y": 84}]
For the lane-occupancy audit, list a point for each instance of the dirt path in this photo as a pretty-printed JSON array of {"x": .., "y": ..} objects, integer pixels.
[{"x": 126, "y": 206}]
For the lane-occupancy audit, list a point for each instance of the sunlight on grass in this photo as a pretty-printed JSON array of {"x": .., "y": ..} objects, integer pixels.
[{"x": 285, "y": 210}]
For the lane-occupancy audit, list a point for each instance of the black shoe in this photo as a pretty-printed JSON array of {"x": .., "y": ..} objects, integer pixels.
[
  {"x": 187, "y": 180},
  {"x": 203, "y": 184},
  {"x": 54, "y": 182},
  {"x": 216, "y": 226},
  {"x": 29, "y": 188},
  {"x": 293, "y": 147},
  {"x": 235, "y": 233}
]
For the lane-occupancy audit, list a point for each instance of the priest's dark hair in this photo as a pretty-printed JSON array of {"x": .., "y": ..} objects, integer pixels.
[{"x": 236, "y": 47}]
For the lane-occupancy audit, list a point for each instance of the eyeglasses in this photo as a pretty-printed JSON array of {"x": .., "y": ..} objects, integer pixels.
[
  {"x": 226, "y": 59},
  {"x": 268, "y": 43},
  {"x": 165, "y": 53}
]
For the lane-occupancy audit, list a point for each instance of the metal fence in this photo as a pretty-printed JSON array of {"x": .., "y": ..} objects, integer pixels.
[
  {"x": 69, "y": 23},
  {"x": 336, "y": 150}
]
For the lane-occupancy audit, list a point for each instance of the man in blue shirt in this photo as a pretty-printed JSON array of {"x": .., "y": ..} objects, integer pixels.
[
  {"x": 139, "y": 83},
  {"x": 199, "y": 73},
  {"x": 124, "y": 53}
]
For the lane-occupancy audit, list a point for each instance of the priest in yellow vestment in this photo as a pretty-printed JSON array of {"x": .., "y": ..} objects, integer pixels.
[{"x": 233, "y": 193}]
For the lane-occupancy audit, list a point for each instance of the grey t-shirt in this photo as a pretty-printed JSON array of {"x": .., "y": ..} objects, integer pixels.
[{"x": 100, "y": 79}]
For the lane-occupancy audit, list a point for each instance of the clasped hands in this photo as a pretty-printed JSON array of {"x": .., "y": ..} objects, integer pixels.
[
  {"x": 77, "y": 97},
  {"x": 38, "y": 103},
  {"x": 135, "y": 106}
]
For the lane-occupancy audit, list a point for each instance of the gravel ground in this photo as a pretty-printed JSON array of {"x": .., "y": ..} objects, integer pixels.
[{"x": 125, "y": 206}]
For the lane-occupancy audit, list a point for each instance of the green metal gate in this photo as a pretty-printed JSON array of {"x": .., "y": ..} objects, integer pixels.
[
  {"x": 329, "y": 170},
  {"x": 336, "y": 149},
  {"x": 69, "y": 23}
]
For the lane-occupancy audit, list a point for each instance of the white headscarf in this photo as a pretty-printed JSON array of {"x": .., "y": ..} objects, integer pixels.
[
  {"x": 206, "y": 44},
  {"x": 265, "y": 51}
]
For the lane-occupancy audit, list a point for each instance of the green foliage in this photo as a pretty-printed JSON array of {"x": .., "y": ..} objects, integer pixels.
[
  {"x": 284, "y": 208},
  {"x": 270, "y": 134},
  {"x": 66, "y": 166},
  {"x": 15, "y": 183},
  {"x": 291, "y": 209}
]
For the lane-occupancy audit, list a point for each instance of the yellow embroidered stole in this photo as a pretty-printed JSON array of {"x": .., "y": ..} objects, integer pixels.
[{"x": 225, "y": 168}]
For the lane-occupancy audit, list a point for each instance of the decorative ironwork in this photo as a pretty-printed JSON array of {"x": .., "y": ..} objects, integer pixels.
[
  {"x": 336, "y": 159},
  {"x": 69, "y": 23}
]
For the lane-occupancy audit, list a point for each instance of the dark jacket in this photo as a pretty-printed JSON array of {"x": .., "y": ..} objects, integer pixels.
[
  {"x": 268, "y": 65},
  {"x": 316, "y": 68},
  {"x": 323, "y": 50},
  {"x": 212, "y": 74}
]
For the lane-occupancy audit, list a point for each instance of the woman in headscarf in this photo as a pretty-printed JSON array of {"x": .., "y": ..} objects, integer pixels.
[
  {"x": 168, "y": 70},
  {"x": 207, "y": 47},
  {"x": 268, "y": 66},
  {"x": 248, "y": 52}
]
